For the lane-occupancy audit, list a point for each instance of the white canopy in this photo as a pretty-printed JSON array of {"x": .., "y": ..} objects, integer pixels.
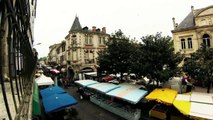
[
  {"x": 44, "y": 80},
  {"x": 91, "y": 73}
]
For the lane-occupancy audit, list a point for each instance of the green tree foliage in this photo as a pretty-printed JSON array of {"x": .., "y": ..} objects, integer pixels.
[
  {"x": 156, "y": 58},
  {"x": 199, "y": 66},
  {"x": 42, "y": 59},
  {"x": 116, "y": 58}
]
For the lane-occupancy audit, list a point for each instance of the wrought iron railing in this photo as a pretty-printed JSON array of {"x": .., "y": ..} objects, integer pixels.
[{"x": 17, "y": 59}]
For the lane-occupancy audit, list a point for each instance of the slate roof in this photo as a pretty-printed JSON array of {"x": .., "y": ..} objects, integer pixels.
[
  {"x": 189, "y": 21},
  {"x": 76, "y": 26}
]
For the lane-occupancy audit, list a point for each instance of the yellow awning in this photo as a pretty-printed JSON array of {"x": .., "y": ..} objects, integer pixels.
[
  {"x": 162, "y": 95},
  {"x": 183, "y": 106}
]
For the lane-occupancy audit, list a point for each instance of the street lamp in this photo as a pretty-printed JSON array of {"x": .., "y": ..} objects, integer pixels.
[{"x": 36, "y": 44}]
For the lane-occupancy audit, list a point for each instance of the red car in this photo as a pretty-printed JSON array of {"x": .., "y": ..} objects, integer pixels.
[{"x": 107, "y": 78}]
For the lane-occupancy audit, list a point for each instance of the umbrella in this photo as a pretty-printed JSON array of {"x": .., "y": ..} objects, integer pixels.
[
  {"x": 54, "y": 71},
  {"x": 51, "y": 91},
  {"x": 57, "y": 102}
]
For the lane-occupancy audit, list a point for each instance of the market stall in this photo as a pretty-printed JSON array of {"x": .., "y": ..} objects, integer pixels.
[
  {"x": 128, "y": 93},
  {"x": 164, "y": 97},
  {"x": 195, "y": 105},
  {"x": 85, "y": 83},
  {"x": 103, "y": 87},
  {"x": 44, "y": 81}
]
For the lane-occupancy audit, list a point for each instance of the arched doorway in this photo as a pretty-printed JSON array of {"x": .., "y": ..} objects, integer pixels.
[{"x": 206, "y": 40}]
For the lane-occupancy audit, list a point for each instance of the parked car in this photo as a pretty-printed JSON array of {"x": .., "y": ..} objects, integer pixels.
[{"x": 106, "y": 79}]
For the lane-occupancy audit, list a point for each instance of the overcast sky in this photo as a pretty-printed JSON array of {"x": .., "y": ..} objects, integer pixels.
[{"x": 136, "y": 18}]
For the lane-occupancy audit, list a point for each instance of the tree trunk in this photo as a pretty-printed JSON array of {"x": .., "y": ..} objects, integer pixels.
[{"x": 208, "y": 87}]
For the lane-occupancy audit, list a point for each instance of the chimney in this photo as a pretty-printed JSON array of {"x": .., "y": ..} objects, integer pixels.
[
  {"x": 93, "y": 29},
  {"x": 104, "y": 29},
  {"x": 193, "y": 11},
  {"x": 174, "y": 24}
]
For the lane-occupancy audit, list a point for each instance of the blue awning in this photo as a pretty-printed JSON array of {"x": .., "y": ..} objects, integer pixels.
[
  {"x": 58, "y": 102},
  {"x": 104, "y": 87},
  {"x": 51, "y": 90},
  {"x": 128, "y": 93},
  {"x": 86, "y": 83}
]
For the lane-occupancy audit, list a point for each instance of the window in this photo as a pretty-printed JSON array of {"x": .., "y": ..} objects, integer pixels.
[
  {"x": 183, "y": 45},
  {"x": 63, "y": 48},
  {"x": 190, "y": 43},
  {"x": 206, "y": 40},
  {"x": 100, "y": 40},
  {"x": 86, "y": 39},
  {"x": 90, "y": 39}
]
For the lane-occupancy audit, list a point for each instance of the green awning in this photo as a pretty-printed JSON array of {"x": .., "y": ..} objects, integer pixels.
[
  {"x": 36, "y": 105},
  {"x": 36, "y": 102},
  {"x": 35, "y": 88}
]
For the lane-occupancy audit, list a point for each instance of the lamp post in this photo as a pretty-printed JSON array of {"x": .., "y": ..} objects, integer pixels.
[{"x": 36, "y": 44}]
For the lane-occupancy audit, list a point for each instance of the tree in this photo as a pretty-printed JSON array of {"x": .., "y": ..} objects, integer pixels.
[
  {"x": 116, "y": 58},
  {"x": 199, "y": 65},
  {"x": 158, "y": 60}
]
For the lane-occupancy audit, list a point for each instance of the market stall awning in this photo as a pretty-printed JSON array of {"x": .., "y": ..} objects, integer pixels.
[
  {"x": 51, "y": 91},
  {"x": 91, "y": 73},
  {"x": 162, "y": 95},
  {"x": 36, "y": 110},
  {"x": 103, "y": 87},
  {"x": 85, "y": 83},
  {"x": 57, "y": 102},
  {"x": 196, "y": 105},
  {"x": 182, "y": 103},
  {"x": 44, "y": 80},
  {"x": 128, "y": 93}
]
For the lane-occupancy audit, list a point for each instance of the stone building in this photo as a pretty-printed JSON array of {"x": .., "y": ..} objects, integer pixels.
[
  {"x": 195, "y": 29},
  {"x": 83, "y": 45}
]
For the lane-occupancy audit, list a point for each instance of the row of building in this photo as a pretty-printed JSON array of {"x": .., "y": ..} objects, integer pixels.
[{"x": 80, "y": 47}]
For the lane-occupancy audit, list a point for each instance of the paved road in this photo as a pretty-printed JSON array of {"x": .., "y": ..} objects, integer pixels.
[{"x": 89, "y": 111}]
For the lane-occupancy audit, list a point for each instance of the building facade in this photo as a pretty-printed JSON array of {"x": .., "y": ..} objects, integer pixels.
[
  {"x": 194, "y": 30},
  {"x": 79, "y": 50},
  {"x": 83, "y": 45}
]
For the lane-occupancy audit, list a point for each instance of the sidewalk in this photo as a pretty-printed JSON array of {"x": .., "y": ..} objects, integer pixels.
[
  {"x": 201, "y": 89},
  {"x": 3, "y": 111}
]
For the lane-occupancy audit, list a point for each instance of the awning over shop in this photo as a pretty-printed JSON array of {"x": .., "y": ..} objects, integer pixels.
[
  {"x": 198, "y": 105},
  {"x": 51, "y": 90},
  {"x": 103, "y": 87},
  {"x": 36, "y": 110},
  {"x": 85, "y": 83},
  {"x": 162, "y": 95},
  {"x": 128, "y": 93},
  {"x": 44, "y": 80},
  {"x": 57, "y": 102}
]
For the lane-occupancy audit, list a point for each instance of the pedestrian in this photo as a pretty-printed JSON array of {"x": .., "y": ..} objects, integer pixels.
[
  {"x": 188, "y": 84},
  {"x": 81, "y": 92}
]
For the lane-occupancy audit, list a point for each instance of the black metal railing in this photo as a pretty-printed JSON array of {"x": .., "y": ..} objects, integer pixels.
[{"x": 17, "y": 58}]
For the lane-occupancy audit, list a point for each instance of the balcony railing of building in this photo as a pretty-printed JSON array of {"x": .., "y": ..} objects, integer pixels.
[{"x": 17, "y": 59}]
